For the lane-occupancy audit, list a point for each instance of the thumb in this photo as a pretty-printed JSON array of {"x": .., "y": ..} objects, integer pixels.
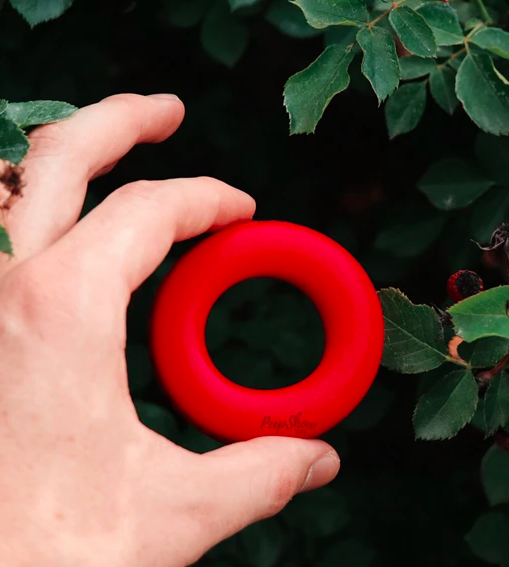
[{"x": 255, "y": 479}]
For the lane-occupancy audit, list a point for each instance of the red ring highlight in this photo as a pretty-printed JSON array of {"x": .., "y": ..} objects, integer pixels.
[{"x": 331, "y": 277}]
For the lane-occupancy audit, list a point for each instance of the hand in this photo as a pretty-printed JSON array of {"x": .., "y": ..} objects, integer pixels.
[{"x": 82, "y": 481}]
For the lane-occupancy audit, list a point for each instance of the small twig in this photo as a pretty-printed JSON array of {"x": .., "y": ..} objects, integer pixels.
[
  {"x": 380, "y": 17},
  {"x": 488, "y": 374},
  {"x": 452, "y": 57},
  {"x": 458, "y": 362},
  {"x": 475, "y": 29},
  {"x": 384, "y": 14}
]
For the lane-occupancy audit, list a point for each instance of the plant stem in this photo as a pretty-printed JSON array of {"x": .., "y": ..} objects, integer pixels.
[
  {"x": 394, "y": 6},
  {"x": 475, "y": 29},
  {"x": 378, "y": 18},
  {"x": 452, "y": 57},
  {"x": 488, "y": 374},
  {"x": 482, "y": 10},
  {"x": 458, "y": 362}
]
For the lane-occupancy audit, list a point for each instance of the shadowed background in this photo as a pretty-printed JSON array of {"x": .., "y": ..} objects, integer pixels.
[{"x": 395, "y": 501}]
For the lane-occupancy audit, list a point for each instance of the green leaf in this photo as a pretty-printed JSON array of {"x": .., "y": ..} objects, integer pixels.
[
  {"x": 502, "y": 77},
  {"x": 13, "y": 142},
  {"x": 492, "y": 152},
  {"x": 489, "y": 537},
  {"x": 489, "y": 212},
  {"x": 428, "y": 379},
  {"x": 413, "y": 31},
  {"x": 494, "y": 40},
  {"x": 405, "y": 108},
  {"x": 484, "y": 353},
  {"x": 446, "y": 407},
  {"x": 482, "y": 315},
  {"x": 288, "y": 19},
  {"x": 457, "y": 61},
  {"x": 495, "y": 475},
  {"x": 261, "y": 543},
  {"x": 317, "y": 514},
  {"x": 308, "y": 93},
  {"x": 3, "y": 105},
  {"x": 380, "y": 62},
  {"x": 442, "y": 82},
  {"x": 445, "y": 51},
  {"x": 237, "y": 4},
  {"x": 324, "y": 13},
  {"x": 37, "y": 112},
  {"x": 484, "y": 96},
  {"x": 38, "y": 11},
  {"x": 157, "y": 418},
  {"x": 478, "y": 420},
  {"x": 413, "y": 67},
  {"x": 341, "y": 35},
  {"x": 443, "y": 20},
  {"x": 413, "y": 335},
  {"x": 472, "y": 23},
  {"x": 5, "y": 242},
  {"x": 466, "y": 10},
  {"x": 496, "y": 403},
  {"x": 222, "y": 36},
  {"x": 453, "y": 183}
]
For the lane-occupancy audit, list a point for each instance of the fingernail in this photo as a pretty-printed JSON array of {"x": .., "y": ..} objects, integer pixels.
[
  {"x": 164, "y": 96},
  {"x": 321, "y": 472}
]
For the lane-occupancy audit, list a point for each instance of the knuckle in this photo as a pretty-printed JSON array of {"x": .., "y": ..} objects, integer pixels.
[
  {"x": 135, "y": 109},
  {"x": 23, "y": 288},
  {"x": 136, "y": 194},
  {"x": 281, "y": 489},
  {"x": 213, "y": 185},
  {"x": 213, "y": 190},
  {"x": 140, "y": 188},
  {"x": 46, "y": 298},
  {"x": 48, "y": 139}
]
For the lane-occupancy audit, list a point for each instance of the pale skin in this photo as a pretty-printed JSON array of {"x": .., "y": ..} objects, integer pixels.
[{"x": 82, "y": 481}]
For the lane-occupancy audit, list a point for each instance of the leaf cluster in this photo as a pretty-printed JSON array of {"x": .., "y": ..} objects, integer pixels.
[
  {"x": 415, "y": 344},
  {"x": 408, "y": 48}
]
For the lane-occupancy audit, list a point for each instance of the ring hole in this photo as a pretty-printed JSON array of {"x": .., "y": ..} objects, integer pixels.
[{"x": 265, "y": 333}]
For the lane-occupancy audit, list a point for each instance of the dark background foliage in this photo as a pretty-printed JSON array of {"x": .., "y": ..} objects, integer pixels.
[{"x": 396, "y": 501}]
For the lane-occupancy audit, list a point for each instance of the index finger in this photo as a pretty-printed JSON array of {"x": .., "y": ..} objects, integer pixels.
[
  {"x": 123, "y": 240},
  {"x": 64, "y": 156}
]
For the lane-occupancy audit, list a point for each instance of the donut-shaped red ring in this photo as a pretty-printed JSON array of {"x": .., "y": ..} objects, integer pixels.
[{"x": 321, "y": 268}]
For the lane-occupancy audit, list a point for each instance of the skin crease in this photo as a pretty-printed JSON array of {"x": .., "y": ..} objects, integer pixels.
[{"x": 82, "y": 481}]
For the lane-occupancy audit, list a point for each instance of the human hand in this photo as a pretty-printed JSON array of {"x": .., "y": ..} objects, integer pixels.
[{"x": 82, "y": 481}]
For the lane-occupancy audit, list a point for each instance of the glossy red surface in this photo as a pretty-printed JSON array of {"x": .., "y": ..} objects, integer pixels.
[{"x": 321, "y": 268}]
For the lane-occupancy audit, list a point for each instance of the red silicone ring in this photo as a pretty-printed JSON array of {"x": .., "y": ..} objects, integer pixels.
[{"x": 321, "y": 268}]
